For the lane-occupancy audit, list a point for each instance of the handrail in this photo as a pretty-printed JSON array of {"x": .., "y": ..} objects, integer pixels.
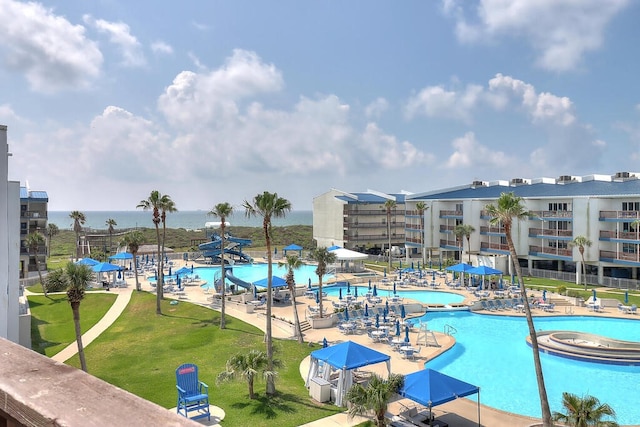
[{"x": 450, "y": 330}]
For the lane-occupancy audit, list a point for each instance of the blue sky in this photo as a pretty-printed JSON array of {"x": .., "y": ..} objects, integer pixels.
[{"x": 217, "y": 101}]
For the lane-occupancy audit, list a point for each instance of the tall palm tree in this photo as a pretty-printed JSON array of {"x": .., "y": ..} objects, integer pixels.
[
  {"x": 293, "y": 263},
  {"x": 324, "y": 258},
  {"x": 247, "y": 366},
  {"x": 268, "y": 205},
  {"x": 153, "y": 203},
  {"x": 78, "y": 277},
  {"x": 580, "y": 242},
  {"x": 52, "y": 230},
  {"x": 78, "y": 221},
  {"x": 34, "y": 241},
  {"x": 421, "y": 207},
  {"x": 222, "y": 211},
  {"x": 584, "y": 412},
  {"x": 110, "y": 223},
  {"x": 389, "y": 205},
  {"x": 133, "y": 240},
  {"x": 166, "y": 206},
  {"x": 464, "y": 230},
  {"x": 375, "y": 396},
  {"x": 508, "y": 207}
]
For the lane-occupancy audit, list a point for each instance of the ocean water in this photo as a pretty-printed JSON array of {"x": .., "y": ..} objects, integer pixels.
[{"x": 190, "y": 220}]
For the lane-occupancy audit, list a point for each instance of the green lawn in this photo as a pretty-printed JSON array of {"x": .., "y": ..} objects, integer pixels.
[
  {"x": 52, "y": 320},
  {"x": 141, "y": 351}
]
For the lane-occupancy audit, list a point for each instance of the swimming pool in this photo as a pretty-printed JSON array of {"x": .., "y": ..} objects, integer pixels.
[
  {"x": 423, "y": 296},
  {"x": 491, "y": 352},
  {"x": 253, "y": 272}
]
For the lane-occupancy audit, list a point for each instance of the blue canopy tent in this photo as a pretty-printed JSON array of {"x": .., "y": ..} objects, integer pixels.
[
  {"x": 432, "y": 388},
  {"x": 460, "y": 268},
  {"x": 276, "y": 282},
  {"x": 483, "y": 270},
  {"x": 105, "y": 267},
  {"x": 121, "y": 256},
  {"x": 88, "y": 261},
  {"x": 293, "y": 248},
  {"x": 183, "y": 270},
  {"x": 344, "y": 357}
]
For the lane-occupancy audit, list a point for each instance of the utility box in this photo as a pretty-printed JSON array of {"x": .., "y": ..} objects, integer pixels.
[{"x": 320, "y": 389}]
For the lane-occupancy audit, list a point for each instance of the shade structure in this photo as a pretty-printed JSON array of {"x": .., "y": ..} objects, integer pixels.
[
  {"x": 460, "y": 268},
  {"x": 183, "y": 270},
  {"x": 333, "y": 248},
  {"x": 105, "y": 267},
  {"x": 276, "y": 282},
  {"x": 432, "y": 388},
  {"x": 121, "y": 256},
  {"x": 483, "y": 270},
  {"x": 344, "y": 357},
  {"x": 292, "y": 248},
  {"x": 88, "y": 261},
  {"x": 348, "y": 255}
]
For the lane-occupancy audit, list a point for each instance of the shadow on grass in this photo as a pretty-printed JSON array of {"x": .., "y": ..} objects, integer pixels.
[
  {"x": 39, "y": 344},
  {"x": 269, "y": 407}
]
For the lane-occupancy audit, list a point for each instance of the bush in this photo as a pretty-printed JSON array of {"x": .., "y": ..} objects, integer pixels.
[
  {"x": 56, "y": 281},
  {"x": 573, "y": 293},
  {"x": 562, "y": 289}
]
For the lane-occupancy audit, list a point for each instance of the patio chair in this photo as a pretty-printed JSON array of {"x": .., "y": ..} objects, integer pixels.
[
  {"x": 193, "y": 394},
  {"x": 633, "y": 309}
]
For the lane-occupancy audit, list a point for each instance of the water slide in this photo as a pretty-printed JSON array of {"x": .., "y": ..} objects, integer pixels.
[
  {"x": 239, "y": 282},
  {"x": 212, "y": 248}
]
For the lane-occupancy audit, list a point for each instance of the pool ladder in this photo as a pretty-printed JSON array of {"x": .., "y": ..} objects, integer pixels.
[{"x": 450, "y": 330}]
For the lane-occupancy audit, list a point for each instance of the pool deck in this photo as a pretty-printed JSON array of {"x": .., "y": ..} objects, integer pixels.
[{"x": 460, "y": 412}]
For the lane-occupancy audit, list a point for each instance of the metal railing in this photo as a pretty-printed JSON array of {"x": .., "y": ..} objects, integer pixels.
[{"x": 449, "y": 330}]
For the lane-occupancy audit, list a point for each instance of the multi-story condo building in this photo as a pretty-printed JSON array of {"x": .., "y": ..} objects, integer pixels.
[
  {"x": 603, "y": 208},
  {"x": 358, "y": 221},
  {"x": 33, "y": 218}
]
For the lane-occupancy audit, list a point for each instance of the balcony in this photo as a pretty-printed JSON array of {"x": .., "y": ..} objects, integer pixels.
[
  {"x": 549, "y": 252},
  {"x": 498, "y": 231},
  {"x": 633, "y": 236},
  {"x": 620, "y": 257},
  {"x": 551, "y": 215},
  {"x": 449, "y": 244},
  {"x": 546, "y": 232},
  {"x": 369, "y": 212},
  {"x": 446, "y": 228},
  {"x": 451, "y": 214},
  {"x": 413, "y": 227},
  {"x": 361, "y": 224},
  {"x": 33, "y": 214},
  {"x": 619, "y": 216},
  {"x": 373, "y": 237},
  {"x": 494, "y": 247}
]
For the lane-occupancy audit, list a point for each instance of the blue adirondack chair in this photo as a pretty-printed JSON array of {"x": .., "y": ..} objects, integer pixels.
[{"x": 193, "y": 394}]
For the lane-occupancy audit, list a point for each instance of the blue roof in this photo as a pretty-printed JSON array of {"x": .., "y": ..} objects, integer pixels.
[
  {"x": 33, "y": 195},
  {"x": 349, "y": 355},
  {"x": 574, "y": 189},
  {"x": 370, "y": 198}
]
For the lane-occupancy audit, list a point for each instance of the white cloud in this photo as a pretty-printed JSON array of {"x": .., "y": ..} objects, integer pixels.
[
  {"x": 560, "y": 31},
  {"x": 469, "y": 153},
  {"x": 436, "y": 101},
  {"x": 52, "y": 53},
  {"x": 8, "y": 115},
  {"x": 376, "y": 108},
  {"x": 160, "y": 47},
  {"x": 120, "y": 35}
]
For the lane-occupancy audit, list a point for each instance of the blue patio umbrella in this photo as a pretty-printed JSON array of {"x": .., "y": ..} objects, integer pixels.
[
  {"x": 403, "y": 313},
  {"x": 401, "y": 264},
  {"x": 594, "y": 295},
  {"x": 430, "y": 264},
  {"x": 309, "y": 283},
  {"x": 397, "y": 328},
  {"x": 419, "y": 273},
  {"x": 179, "y": 282},
  {"x": 348, "y": 287},
  {"x": 418, "y": 265},
  {"x": 369, "y": 284},
  {"x": 119, "y": 274},
  {"x": 500, "y": 285},
  {"x": 377, "y": 320},
  {"x": 147, "y": 261},
  {"x": 375, "y": 291},
  {"x": 411, "y": 264},
  {"x": 384, "y": 316},
  {"x": 182, "y": 270},
  {"x": 626, "y": 297},
  {"x": 325, "y": 344},
  {"x": 544, "y": 295},
  {"x": 440, "y": 265},
  {"x": 88, "y": 261},
  {"x": 130, "y": 266},
  {"x": 340, "y": 293},
  {"x": 400, "y": 273},
  {"x": 433, "y": 275},
  {"x": 191, "y": 268},
  {"x": 355, "y": 291},
  {"x": 366, "y": 310},
  {"x": 346, "y": 314},
  {"x": 386, "y": 306},
  {"x": 169, "y": 270},
  {"x": 394, "y": 288},
  {"x": 255, "y": 292},
  {"x": 317, "y": 297},
  {"x": 385, "y": 272},
  {"x": 406, "y": 334},
  {"x": 513, "y": 279},
  {"x": 105, "y": 267}
]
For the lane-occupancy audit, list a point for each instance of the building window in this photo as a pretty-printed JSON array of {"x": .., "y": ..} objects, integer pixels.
[
  {"x": 558, "y": 207},
  {"x": 629, "y": 248},
  {"x": 631, "y": 206}
]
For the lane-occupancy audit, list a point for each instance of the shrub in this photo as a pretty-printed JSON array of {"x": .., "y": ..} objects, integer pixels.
[
  {"x": 562, "y": 289},
  {"x": 56, "y": 281}
]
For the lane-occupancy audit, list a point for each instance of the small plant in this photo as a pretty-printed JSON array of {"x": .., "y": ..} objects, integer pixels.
[{"x": 562, "y": 289}]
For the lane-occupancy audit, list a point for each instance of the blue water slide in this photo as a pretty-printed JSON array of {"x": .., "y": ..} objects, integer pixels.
[{"x": 239, "y": 282}]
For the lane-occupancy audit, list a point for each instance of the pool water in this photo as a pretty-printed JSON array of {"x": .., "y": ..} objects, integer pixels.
[
  {"x": 254, "y": 272},
  {"x": 491, "y": 352},
  {"x": 423, "y": 296}
]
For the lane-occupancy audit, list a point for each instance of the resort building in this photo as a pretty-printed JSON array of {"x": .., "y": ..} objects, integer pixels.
[
  {"x": 359, "y": 221},
  {"x": 33, "y": 218},
  {"x": 602, "y": 208}
]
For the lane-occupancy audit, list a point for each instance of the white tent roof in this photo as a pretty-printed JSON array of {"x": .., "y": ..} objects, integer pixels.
[{"x": 347, "y": 255}]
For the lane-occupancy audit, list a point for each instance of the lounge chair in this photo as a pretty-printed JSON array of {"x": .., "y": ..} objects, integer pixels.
[
  {"x": 193, "y": 394},
  {"x": 633, "y": 309}
]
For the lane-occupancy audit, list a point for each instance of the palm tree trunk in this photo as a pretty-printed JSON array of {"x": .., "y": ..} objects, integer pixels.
[
  {"x": 296, "y": 318},
  {"x": 75, "y": 308},
  {"x": 223, "y": 275},
  {"x": 252, "y": 394},
  {"x": 469, "y": 249},
  {"x": 584, "y": 267},
  {"x": 135, "y": 270},
  {"x": 44, "y": 285},
  {"x": 159, "y": 279},
  {"x": 320, "y": 296},
  {"x": 271, "y": 387},
  {"x": 542, "y": 391}
]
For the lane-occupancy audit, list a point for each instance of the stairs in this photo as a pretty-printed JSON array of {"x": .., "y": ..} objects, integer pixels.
[
  {"x": 305, "y": 325},
  {"x": 559, "y": 302}
]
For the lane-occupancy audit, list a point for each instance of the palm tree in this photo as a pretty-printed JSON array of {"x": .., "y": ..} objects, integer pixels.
[
  {"x": 154, "y": 203},
  {"x": 324, "y": 258},
  {"x": 293, "y": 263},
  {"x": 388, "y": 206},
  {"x": 222, "y": 211},
  {"x": 247, "y": 366},
  {"x": 52, "y": 230},
  {"x": 464, "y": 230},
  {"x": 78, "y": 221},
  {"x": 268, "y": 205},
  {"x": 34, "y": 241},
  {"x": 584, "y": 412},
  {"x": 508, "y": 207},
  {"x": 422, "y": 207},
  {"x": 166, "y": 205},
  {"x": 78, "y": 278},
  {"x": 580, "y": 242},
  {"x": 375, "y": 396},
  {"x": 133, "y": 240},
  {"x": 110, "y": 223}
]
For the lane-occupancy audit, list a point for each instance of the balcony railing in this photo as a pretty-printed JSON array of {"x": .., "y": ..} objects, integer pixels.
[
  {"x": 413, "y": 239},
  {"x": 373, "y": 237},
  {"x": 622, "y": 215},
  {"x": 620, "y": 256},
  {"x": 395, "y": 212},
  {"x": 451, "y": 213},
  {"x": 494, "y": 230},
  {"x": 413, "y": 227},
  {"x": 494, "y": 246},
  {"x": 551, "y": 251},
  {"x": 550, "y": 232},
  {"x": 445, "y": 242},
  {"x": 551, "y": 214},
  {"x": 360, "y": 224},
  {"x": 446, "y": 228},
  {"x": 33, "y": 214},
  {"x": 620, "y": 235}
]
